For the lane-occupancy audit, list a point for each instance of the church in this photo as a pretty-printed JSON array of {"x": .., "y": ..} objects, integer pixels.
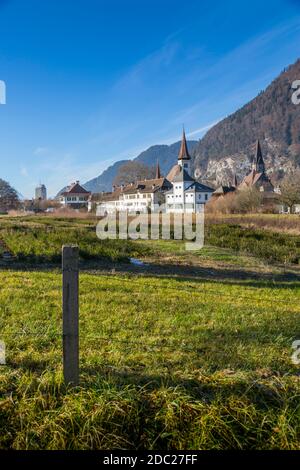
[
  {"x": 179, "y": 192},
  {"x": 186, "y": 195},
  {"x": 257, "y": 177}
]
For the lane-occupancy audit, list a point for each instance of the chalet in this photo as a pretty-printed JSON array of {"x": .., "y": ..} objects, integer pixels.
[{"x": 75, "y": 196}]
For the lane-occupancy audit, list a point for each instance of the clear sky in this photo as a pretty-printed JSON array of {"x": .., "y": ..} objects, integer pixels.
[{"x": 91, "y": 82}]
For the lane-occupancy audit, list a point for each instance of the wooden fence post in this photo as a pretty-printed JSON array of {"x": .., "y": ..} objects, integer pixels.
[{"x": 70, "y": 314}]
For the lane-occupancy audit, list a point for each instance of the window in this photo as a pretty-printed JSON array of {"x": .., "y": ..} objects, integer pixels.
[{"x": 206, "y": 197}]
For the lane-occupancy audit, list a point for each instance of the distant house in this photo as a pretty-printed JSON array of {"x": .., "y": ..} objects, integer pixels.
[
  {"x": 75, "y": 197},
  {"x": 223, "y": 190}
]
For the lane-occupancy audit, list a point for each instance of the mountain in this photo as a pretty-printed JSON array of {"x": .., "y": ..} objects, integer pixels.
[
  {"x": 228, "y": 147},
  {"x": 104, "y": 181},
  {"x": 166, "y": 155}
]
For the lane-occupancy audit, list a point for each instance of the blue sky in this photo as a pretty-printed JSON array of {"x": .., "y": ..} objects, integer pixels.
[{"x": 91, "y": 82}]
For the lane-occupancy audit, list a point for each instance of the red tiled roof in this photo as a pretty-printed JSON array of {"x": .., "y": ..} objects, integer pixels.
[{"x": 173, "y": 172}]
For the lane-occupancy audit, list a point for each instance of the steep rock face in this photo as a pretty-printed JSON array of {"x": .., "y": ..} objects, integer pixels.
[{"x": 228, "y": 147}]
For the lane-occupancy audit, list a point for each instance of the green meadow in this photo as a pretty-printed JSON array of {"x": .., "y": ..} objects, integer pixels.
[{"x": 191, "y": 352}]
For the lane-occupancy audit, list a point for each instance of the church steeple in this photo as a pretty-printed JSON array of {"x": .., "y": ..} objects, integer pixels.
[
  {"x": 184, "y": 158},
  {"x": 258, "y": 164},
  {"x": 157, "y": 174},
  {"x": 183, "y": 152}
]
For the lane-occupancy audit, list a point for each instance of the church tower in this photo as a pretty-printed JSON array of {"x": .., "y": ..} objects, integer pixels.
[
  {"x": 258, "y": 164},
  {"x": 184, "y": 158},
  {"x": 157, "y": 172}
]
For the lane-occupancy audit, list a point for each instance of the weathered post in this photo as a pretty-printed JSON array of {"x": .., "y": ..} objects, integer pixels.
[{"x": 70, "y": 314}]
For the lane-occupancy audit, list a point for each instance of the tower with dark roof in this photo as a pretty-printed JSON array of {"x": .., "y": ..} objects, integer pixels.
[
  {"x": 257, "y": 177},
  {"x": 184, "y": 158},
  {"x": 157, "y": 172},
  {"x": 258, "y": 164}
]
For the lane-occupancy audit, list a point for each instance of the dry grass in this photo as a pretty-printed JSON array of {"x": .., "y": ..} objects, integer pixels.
[{"x": 283, "y": 223}]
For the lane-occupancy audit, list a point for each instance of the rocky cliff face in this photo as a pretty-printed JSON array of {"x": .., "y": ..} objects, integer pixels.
[{"x": 229, "y": 146}]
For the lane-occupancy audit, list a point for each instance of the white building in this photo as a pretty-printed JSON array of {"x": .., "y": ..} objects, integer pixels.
[
  {"x": 179, "y": 191},
  {"x": 144, "y": 196},
  {"x": 186, "y": 195},
  {"x": 75, "y": 196}
]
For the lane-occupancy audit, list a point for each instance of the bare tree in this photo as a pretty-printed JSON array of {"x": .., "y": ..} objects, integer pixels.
[
  {"x": 248, "y": 200},
  {"x": 132, "y": 171},
  {"x": 9, "y": 198},
  {"x": 290, "y": 190}
]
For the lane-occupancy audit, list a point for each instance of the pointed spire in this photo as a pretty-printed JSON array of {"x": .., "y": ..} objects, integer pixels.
[
  {"x": 157, "y": 174},
  {"x": 258, "y": 162},
  {"x": 183, "y": 152}
]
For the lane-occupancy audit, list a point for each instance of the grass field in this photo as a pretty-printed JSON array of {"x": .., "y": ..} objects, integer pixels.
[
  {"x": 39, "y": 239},
  {"x": 170, "y": 359}
]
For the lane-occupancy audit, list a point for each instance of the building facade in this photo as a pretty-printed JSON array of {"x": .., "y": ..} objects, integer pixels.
[
  {"x": 144, "y": 196},
  {"x": 75, "y": 197},
  {"x": 186, "y": 195}
]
